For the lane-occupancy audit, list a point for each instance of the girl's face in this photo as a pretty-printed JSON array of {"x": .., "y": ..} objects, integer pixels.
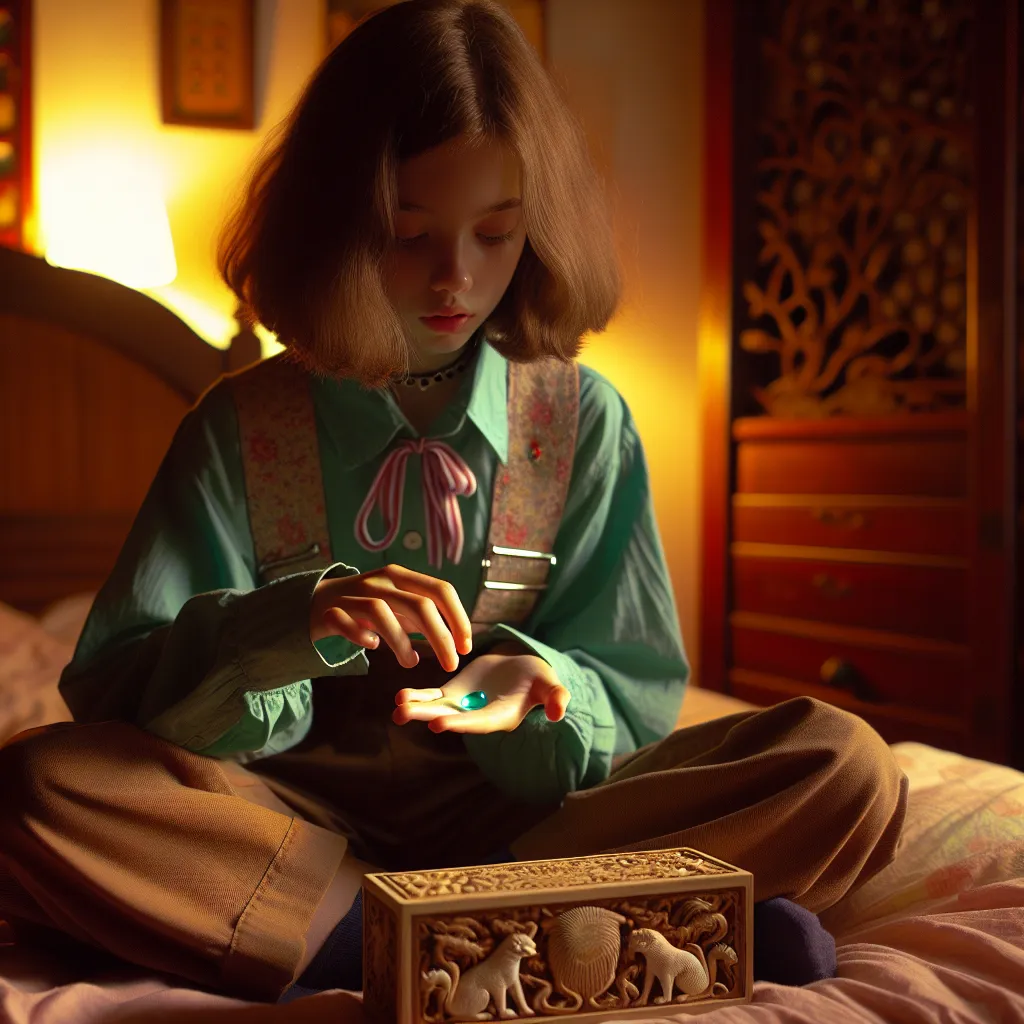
[{"x": 458, "y": 237}]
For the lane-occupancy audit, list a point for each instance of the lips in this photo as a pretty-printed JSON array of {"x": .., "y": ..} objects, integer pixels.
[{"x": 446, "y": 322}]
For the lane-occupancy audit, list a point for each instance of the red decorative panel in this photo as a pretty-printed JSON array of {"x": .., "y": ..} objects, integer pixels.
[{"x": 15, "y": 121}]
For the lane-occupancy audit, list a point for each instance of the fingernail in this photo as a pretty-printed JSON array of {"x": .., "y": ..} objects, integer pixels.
[{"x": 374, "y": 641}]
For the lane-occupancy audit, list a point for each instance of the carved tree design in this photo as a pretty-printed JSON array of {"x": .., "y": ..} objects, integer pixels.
[{"x": 864, "y": 172}]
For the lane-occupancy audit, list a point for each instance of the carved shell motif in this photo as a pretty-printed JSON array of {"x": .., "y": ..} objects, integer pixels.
[{"x": 583, "y": 950}]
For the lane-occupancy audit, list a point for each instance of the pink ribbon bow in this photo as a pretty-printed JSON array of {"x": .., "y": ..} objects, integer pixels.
[{"x": 445, "y": 477}]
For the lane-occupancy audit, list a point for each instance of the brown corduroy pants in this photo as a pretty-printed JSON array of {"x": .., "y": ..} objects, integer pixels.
[{"x": 175, "y": 862}]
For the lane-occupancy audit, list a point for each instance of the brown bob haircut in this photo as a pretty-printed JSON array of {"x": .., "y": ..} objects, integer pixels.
[{"x": 305, "y": 249}]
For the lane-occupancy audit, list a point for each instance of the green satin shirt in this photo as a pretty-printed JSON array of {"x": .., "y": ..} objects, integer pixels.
[{"x": 184, "y": 642}]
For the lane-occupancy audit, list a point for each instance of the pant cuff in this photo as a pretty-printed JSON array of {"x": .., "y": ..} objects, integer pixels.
[{"x": 269, "y": 939}]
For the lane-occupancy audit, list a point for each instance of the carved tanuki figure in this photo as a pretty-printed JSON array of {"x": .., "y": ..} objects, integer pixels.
[
  {"x": 467, "y": 997},
  {"x": 676, "y": 967}
]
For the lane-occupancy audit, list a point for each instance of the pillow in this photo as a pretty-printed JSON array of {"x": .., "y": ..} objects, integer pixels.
[
  {"x": 64, "y": 619},
  {"x": 964, "y": 829},
  {"x": 31, "y": 661}
]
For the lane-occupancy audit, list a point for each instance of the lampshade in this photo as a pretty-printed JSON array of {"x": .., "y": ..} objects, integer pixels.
[{"x": 103, "y": 212}]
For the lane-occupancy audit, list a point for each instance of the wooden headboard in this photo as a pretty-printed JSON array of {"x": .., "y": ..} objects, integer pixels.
[{"x": 94, "y": 379}]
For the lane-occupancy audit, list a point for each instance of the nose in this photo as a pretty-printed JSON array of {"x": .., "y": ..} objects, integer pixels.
[{"x": 450, "y": 273}]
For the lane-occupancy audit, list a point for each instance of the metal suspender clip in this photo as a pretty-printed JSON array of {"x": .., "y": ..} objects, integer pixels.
[{"x": 530, "y": 572}]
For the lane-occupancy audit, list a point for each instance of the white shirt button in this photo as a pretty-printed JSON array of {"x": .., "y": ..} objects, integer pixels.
[{"x": 412, "y": 541}]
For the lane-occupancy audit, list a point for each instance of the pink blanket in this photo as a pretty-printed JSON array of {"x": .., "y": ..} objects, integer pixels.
[
  {"x": 937, "y": 936},
  {"x": 963, "y": 965}
]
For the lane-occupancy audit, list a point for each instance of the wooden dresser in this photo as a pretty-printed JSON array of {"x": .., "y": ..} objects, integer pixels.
[
  {"x": 849, "y": 569},
  {"x": 859, "y": 353}
]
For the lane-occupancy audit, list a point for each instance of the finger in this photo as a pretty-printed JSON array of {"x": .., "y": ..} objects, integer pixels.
[
  {"x": 409, "y": 695},
  {"x": 338, "y": 622},
  {"x": 376, "y": 612},
  {"x": 500, "y": 718},
  {"x": 426, "y": 712},
  {"x": 556, "y": 703},
  {"x": 424, "y": 613},
  {"x": 444, "y": 597}
]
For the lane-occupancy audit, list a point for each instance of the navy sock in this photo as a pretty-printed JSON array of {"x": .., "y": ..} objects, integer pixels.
[
  {"x": 339, "y": 961},
  {"x": 790, "y": 945}
]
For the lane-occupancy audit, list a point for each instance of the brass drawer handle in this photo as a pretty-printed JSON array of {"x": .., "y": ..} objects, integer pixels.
[
  {"x": 830, "y": 586},
  {"x": 844, "y": 675},
  {"x": 841, "y": 518}
]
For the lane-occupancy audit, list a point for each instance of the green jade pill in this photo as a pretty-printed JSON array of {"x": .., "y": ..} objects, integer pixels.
[{"x": 473, "y": 701}]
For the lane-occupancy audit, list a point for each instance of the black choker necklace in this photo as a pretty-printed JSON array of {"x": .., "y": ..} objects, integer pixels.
[{"x": 454, "y": 369}]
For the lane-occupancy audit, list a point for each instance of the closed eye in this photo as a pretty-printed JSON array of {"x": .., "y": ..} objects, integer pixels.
[{"x": 406, "y": 243}]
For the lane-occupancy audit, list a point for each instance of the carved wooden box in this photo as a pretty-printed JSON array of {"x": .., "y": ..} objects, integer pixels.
[{"x": 601, "y": 938}]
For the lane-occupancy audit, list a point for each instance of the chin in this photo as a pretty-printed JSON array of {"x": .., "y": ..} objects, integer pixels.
[{"x": 431, "y": 346}]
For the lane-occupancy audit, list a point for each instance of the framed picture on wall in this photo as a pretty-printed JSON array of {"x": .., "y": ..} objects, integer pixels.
[
  {"x": 15, "y": 122},
  {"x": 206, "y": 63},
  {"x": 343, "y": 15}
]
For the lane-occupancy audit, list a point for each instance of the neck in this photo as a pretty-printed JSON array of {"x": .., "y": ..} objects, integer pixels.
[
  {"x": 419, "y": 365},
  {"x": 421, "y": 408}
]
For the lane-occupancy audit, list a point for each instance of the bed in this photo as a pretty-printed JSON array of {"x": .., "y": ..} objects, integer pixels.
[{"x": 93, "y": 380}]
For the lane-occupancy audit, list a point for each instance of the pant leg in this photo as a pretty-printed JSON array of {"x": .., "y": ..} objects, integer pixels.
[
  {"x": 145, "y": 849},
  {"x": 805, "y": 796}
]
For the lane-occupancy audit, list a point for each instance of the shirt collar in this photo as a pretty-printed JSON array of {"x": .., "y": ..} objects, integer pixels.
[
  {"x": 488, "y": 403},
  {"x": 363, "y": 421}
]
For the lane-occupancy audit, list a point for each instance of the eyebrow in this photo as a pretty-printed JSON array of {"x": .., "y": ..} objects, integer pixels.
[{"x": 507, "y": 204}]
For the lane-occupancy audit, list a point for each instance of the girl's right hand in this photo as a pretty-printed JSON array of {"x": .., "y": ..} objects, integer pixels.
[{"x": 389, "y": 604}]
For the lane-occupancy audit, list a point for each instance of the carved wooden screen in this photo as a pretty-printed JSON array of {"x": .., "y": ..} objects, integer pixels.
[{"x": 854, "y": 146}]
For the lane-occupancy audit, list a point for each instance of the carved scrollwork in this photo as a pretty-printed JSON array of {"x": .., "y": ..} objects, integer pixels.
[
  {"x": 559, "y": 960},
  {"x": 574, "y": 872},
  {"x": 864, "y": 169}
]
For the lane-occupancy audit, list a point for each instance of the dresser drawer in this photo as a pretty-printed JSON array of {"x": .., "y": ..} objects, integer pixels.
[
  {"x": 849, "y": 522},
  {"x": 894, "y": 724},
  {"x": 918, "y": 466},
  {"x": 926, "y": 601},
  {"x": 923, "y": 675}
]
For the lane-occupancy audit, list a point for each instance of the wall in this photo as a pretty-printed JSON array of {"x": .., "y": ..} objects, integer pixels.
[
  {"x": 632, "y": 70},
  {"x": 96, "y": 83}
]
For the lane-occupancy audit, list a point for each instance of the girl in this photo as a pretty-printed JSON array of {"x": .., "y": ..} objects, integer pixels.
[{"x": 399, "y": 599}]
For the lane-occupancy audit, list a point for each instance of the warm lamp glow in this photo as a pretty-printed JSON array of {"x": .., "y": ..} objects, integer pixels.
[
  {"x": 214, "y": 326},
  {"x": 102, "y": 212}
]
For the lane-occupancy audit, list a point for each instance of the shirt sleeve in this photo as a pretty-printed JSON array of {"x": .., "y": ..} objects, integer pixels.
[
  {"x": 607, "y": 624},
  {"x": 180, "y": 639}
]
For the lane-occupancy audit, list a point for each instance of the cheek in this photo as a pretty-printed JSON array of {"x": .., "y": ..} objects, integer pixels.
[
  {"x": 508, "y": 264},
  {"x": 401, "y": 281}
]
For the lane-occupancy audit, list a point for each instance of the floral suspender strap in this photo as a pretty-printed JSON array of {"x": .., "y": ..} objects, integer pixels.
[
  {"x": 281, "y": 459},
  {"x": 530, "y": 491},
  {"x": 284, "y": 484}
]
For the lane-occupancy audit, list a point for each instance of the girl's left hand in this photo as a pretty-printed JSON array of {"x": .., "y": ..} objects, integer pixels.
[{"x": 513, "y": 683}]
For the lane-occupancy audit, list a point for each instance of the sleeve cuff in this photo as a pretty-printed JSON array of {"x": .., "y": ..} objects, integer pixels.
[
  {"x": 563, "y": 756},
  {"x": 587, "y": 699},
  {"x": 270, "y": 633}
]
